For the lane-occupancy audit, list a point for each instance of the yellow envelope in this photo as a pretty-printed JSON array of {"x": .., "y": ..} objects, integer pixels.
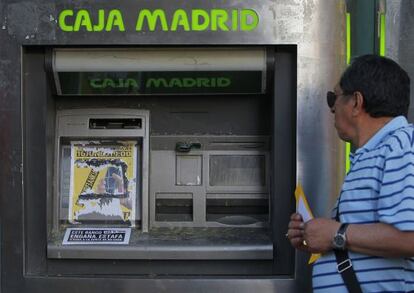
[{"x": 302, "y": 207}]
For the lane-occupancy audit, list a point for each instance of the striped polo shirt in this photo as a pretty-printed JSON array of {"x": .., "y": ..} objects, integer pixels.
[{"x": 379, "y": 188}]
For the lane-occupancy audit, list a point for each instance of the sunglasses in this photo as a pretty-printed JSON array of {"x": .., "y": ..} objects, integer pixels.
[{"x": 331, "y": 98}]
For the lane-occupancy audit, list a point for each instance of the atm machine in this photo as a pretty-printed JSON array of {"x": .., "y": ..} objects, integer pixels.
[
  {"x": 164, "y": 154},
  {"x": 155, "y": 146}
]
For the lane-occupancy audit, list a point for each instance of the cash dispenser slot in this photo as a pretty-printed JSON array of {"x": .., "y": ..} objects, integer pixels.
[
  {"x": 115, "y": 123},
  {"x": 237, "y": 211}
]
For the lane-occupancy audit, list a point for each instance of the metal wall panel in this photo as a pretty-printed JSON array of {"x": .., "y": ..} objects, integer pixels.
[
  {"x": 400, "y": 39},
  {"x": 315, "y": 27}
]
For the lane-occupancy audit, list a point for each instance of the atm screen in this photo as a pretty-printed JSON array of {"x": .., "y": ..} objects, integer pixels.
[{"x": 99, "y": 182}]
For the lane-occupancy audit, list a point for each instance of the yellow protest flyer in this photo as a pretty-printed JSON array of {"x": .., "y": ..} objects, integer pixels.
[
  {"x": 302, "y": 207},
  {"x": 103, "y": 182}
]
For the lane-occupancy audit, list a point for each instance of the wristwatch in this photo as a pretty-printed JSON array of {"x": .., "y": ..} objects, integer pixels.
[{"x": 339, "y": 240}]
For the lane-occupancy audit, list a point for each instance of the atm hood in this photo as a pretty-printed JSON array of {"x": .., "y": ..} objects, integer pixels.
[{"x": 159, "y": 71}]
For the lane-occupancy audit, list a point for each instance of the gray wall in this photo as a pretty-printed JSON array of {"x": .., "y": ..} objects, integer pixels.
[{"x": 400, "y": 39}]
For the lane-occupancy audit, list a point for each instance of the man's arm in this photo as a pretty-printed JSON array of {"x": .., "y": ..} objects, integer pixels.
[
  {"x": 381, "y": 240},
  {"x": 373, "y": 239}
]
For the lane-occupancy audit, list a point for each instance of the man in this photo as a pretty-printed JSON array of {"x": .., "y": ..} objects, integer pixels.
[{"x": 375, "y": 209}]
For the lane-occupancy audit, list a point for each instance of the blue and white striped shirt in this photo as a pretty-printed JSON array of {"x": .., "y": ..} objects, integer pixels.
[{"x": 378, "y": 188}]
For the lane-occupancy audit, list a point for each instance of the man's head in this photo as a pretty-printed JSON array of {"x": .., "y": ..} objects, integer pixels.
[
  {"x": 370, "y": 92},
  {"x": 383, "y": 84}
]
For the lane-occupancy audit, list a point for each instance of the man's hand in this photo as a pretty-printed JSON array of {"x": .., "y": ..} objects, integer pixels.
[
  {"x": 295, "y": 232},
  {"x": 319, "y": 233}
]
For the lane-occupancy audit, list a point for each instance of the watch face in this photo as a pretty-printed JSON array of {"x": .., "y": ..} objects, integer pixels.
[{"x": 339, "y": 241}]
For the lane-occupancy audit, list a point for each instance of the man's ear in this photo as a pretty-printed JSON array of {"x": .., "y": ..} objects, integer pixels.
[{"x": 358, "y": 103}]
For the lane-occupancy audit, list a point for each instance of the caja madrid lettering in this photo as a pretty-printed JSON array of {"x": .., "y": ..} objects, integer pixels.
[{"x": 154, "y": 20}]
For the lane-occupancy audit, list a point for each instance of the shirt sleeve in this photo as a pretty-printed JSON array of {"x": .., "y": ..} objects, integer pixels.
[{"x": 396, "y": 196}]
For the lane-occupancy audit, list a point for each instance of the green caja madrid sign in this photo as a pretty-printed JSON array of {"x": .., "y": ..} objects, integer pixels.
[
  {"x": 186, "y": 82},
  {"x": 160, "y": 83},
  {"x": 195, "y": 20}
]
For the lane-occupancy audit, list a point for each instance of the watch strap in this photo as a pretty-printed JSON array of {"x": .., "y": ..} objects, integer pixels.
[
  {"x": 345, "y": 268},
  {"x": 342, "y": 228},
  {"x": 344, "y": 264}
]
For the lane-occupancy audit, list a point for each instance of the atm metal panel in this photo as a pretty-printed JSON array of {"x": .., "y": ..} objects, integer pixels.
[{"x": 316, "y": 31}]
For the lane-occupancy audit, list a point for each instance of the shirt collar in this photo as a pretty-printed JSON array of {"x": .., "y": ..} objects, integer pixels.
[{"x": 391, "y": 126}]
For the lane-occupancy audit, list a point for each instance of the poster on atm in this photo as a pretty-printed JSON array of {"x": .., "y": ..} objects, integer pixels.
[{"x": 103, "y": 182}]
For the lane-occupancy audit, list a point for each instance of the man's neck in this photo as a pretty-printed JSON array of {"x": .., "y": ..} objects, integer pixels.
[{"x": 368, "y": 127}]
